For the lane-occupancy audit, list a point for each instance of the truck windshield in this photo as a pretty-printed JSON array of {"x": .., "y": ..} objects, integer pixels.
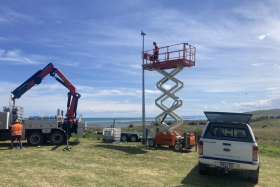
[{"x": 226, "y": 117}]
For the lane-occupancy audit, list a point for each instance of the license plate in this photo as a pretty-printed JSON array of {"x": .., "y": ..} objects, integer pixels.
[{"x": 226, "y": 165}]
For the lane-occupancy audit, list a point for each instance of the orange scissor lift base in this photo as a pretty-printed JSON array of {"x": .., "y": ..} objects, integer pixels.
[
  {"x": 170, "y": 57},
  {"x": 163, "y": 138}
]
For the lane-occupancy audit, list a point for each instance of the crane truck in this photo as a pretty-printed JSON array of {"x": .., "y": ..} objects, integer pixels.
[{"x": 43, "y": 128}]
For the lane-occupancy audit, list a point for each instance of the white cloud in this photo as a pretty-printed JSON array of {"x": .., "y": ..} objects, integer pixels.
[
  {"x": 239, "y": 107},
  {"x": 253, "y": 104},
  {"x": 1, "y": 52},
  {"x": 19, "y": 57},
  {"x": 217, "y": 90},
  {"x": 3, "y": 20},
  {"x": 259, "y": 64},
  {"x": 151, "y": 91},
  {"x": 273, "y": 92},
  {"x": 261, "y": 37},
  {"x": 12, "y": 17},
  {"x": 167, "y": 86}
]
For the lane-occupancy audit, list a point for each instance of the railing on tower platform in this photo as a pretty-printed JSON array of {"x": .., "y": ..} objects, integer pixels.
[{"x": 169, "y": 57}]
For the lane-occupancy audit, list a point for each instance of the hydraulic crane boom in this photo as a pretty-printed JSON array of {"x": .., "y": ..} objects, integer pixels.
[{"x": 37, "y": 78}]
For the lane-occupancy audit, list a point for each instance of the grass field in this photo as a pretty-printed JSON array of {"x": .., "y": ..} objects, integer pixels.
[{"x": 93, "y": 163}]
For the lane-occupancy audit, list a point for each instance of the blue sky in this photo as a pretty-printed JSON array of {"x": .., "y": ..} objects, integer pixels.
[{"x": 97, "y": 45}]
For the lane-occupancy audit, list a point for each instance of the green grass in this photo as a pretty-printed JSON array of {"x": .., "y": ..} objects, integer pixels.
[
  {"x": 267, "y": 132},
  {"x": 269, "y": 150},
  {"x": 93, "y": 163}
]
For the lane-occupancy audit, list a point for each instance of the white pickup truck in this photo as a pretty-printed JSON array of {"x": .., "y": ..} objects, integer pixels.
[{"x": 227, "y": 142}]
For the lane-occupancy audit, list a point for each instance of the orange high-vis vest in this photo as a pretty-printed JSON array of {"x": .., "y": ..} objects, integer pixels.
[
  {"x": 16, "y": 129},
  {"x": 156, "y": 48}
]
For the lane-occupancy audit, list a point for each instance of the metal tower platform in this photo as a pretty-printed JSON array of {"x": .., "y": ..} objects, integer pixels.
[
  {"x": 174, "y": 57},
  {"x": 170, "y": 57}
]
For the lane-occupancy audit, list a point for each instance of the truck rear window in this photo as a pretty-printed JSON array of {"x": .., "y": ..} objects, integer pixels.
[{"x": 229, "y": 132}]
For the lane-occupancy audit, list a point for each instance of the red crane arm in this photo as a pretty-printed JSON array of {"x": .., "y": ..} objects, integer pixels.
[
  {"x": 37, "y": 78},
  {"x": 73, "y": 96}
]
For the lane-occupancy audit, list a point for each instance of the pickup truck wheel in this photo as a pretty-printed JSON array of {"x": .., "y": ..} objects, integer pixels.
[
  {"x": 57, "y": 138},
  {"x": 133, "y": 138},
  {"x": 203, "y": 170},
  {"x": 253, "y": 176},
  {"x": 35, "y": 138},
  {"x": 152, "y": 142},
  {"x": 124, "y": 138},
  {"x": 178, "y": 147}
]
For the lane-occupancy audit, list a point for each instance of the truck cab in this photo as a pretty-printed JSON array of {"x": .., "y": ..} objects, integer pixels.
[{"x": 228, "y": 143}]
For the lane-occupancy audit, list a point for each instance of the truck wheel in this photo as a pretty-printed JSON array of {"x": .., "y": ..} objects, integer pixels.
[
  {"x": 133, "y": 138},
  {"x": 57, "y": 138},
  {"x": 203, "y": 169},
  {"x": 35, "y": 138},
  {"x": 253, "y": 176},
  {"x": 178, "y": 147},
  {"x": 152, "y": 142},
  {"x": 124, "y": 138}
]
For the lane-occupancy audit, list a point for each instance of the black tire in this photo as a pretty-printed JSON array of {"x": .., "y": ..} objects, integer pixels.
[
  {"x": 57, "y": 138},
  {"x": 35, "y": 138},
  {"x": 253, "y": 176},
  {"x": 203, "y": 169},
  {"x": 133, "y": 138},
  {"x": 177, "y": 147},
  {"x": 124, "y": 138},
  {"x": 152, "y": 142}
]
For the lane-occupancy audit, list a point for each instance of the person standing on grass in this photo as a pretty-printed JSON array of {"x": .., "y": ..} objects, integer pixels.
[{"x": 16, "y": 133}]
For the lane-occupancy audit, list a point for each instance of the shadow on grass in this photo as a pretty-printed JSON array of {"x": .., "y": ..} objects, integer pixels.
[
  {"x": 127, "y": 149},
  {"x": 167, "y": 148},
  {"x": 71, "y": 144},
  {"x": 4, "y": 146},
  {"x": 216, "y": 178}
]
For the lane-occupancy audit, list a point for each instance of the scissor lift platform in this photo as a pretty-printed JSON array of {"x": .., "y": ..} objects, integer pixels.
[
  {"x": 175, "y": 57},
  {"x": 170, "y": 57}
]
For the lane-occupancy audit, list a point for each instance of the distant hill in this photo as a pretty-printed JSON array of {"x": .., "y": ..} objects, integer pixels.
[{"x": 258, "y": 113}]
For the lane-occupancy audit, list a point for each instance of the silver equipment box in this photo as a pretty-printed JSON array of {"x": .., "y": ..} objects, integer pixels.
[{"x": 4, "y": 120}]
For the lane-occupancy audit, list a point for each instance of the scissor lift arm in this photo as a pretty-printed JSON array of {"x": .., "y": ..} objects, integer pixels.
[{"x": 37, "y": 78}]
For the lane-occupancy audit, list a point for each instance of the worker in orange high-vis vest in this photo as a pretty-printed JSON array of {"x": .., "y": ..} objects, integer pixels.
[
  {"x": 155, "y": 52},
  {"x": 16, "y": 133}
]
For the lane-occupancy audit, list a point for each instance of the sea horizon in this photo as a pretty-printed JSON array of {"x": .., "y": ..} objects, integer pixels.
[
  {"x": 126, "y": 121},
  {"x": 134, "y": 119}
]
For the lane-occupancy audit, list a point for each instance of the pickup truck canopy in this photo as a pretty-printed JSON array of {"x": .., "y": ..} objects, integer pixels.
[{"x": 226, "y": 117}]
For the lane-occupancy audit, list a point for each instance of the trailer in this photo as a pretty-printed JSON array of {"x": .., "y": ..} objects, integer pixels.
[{"x": 131, "y": 136}]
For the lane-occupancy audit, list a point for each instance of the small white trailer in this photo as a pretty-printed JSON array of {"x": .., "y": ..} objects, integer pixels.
[{"x": 131, "y": 136}]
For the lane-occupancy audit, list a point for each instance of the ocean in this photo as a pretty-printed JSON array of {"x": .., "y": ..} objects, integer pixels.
[{"x": 125, "y": 122}]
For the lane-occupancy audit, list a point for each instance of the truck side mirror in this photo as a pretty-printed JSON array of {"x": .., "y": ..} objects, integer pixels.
[{"x": 256, "y": 138}]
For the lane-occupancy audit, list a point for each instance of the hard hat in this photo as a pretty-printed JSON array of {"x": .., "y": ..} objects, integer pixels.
[{"x": 16, "y": 120}]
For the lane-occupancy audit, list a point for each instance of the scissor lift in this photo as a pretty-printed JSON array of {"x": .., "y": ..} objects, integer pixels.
[{"x": 174, "y": 57}]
